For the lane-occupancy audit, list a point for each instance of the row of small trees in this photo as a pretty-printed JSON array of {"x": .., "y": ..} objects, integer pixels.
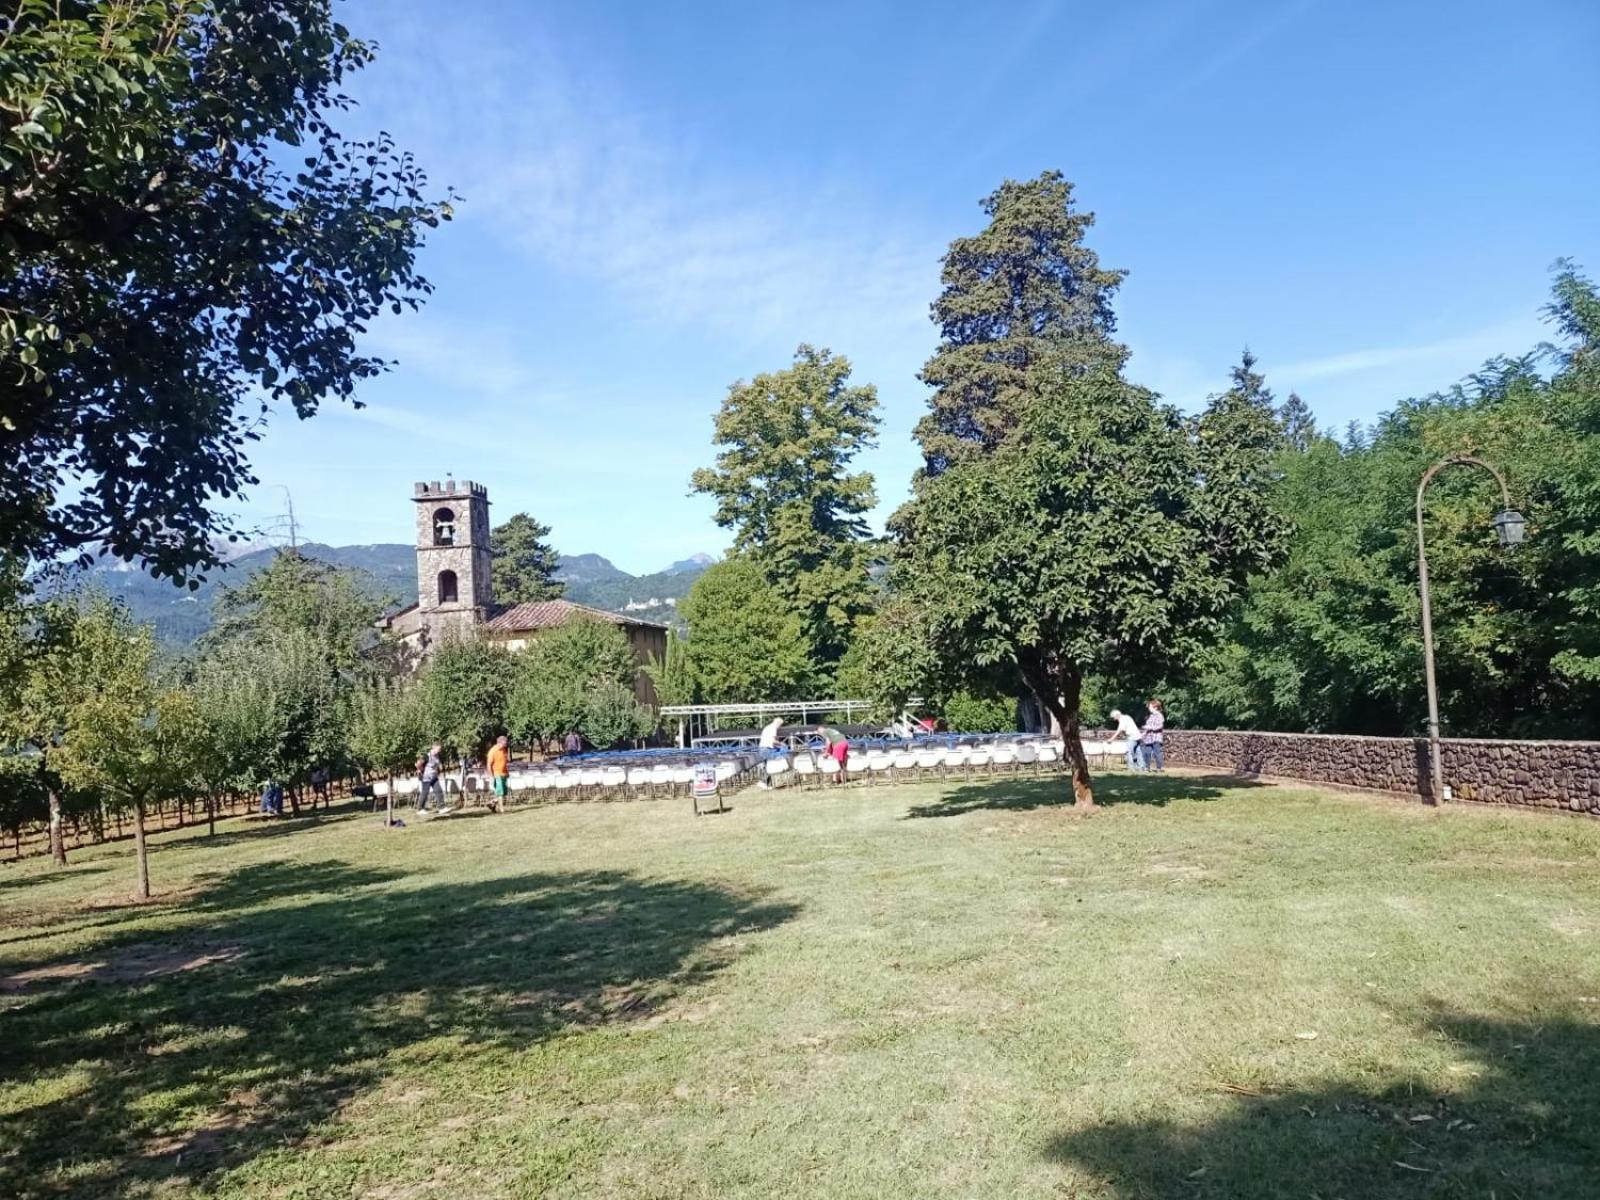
[{"x": 96, "y": 725}]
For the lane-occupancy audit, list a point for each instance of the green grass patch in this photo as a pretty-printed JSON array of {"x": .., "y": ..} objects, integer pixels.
[{"x": 1207, "y": 990}]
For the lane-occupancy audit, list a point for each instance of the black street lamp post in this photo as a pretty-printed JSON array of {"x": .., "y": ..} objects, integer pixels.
[{"x": 1509, "y": 526}]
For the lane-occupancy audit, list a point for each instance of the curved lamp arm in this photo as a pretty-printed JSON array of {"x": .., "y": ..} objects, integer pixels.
[
  {"x": 1465, "y": 460},
  {"x": 1509, "y": 526}
]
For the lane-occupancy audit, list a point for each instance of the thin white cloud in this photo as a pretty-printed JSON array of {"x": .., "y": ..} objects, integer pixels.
[
  {"x": 1462, "y": 353},
  {"x": 578, "y": 173},
  {"x": 487, "y": 363}
]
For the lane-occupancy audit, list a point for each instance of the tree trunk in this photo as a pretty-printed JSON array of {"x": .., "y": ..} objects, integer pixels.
[
  {"x": 388, "y": 802},
  {"x": 1059, "y": 690},
  {"x": 58, "y": 841},
  {"x": 142, "y": 850},
  {"x": 211, "y": 814}
]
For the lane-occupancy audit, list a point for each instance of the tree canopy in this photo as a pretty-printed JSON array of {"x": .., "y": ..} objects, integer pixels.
[
  {"x": 782, "y": 483},
  {"x": 1013, "y": 296},
  {"x": 576, "y": 677},
  {"x": 1332, "y": 641},
  {"x": 1068, "y": 522},
  {"x": 745, "y": 639},
  {"x": 524, "y": 562},
  {"x": 189, "y": 246},
  {"x": 297, "y": 594}
]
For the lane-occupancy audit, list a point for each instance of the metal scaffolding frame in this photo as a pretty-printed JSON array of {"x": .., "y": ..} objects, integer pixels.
[{"x": 696, "y": 722}]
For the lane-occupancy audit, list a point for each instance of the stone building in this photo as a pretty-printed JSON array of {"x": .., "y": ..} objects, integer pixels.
[{"x": 455, "y": 588}]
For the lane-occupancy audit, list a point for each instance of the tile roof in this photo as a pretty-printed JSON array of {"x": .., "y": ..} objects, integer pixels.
[{"x": 547, "y": 614}]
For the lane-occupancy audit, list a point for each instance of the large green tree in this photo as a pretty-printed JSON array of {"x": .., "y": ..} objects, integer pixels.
[
  {"x": 187, "y": 246},
  {"x": 783, "y": 485},
  {"x": 1013, "y": 297},
  {"x": 524, "y": 562},
  {"x": 1067, "y": 523},
  {"x": 745, "y": 640}
]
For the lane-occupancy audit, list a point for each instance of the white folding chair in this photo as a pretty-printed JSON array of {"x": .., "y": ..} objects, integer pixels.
[
  {"x": 1005, "y": 756},
  {"x": 805, "y": 767},
  {"x": 880, "y": 763},
  {"x": 1028, "y": 756},
  {"x": 775, "y": 769}
]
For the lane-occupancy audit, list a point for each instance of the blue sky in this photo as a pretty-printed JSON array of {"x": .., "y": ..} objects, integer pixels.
[{"x": 662, "y": 199}]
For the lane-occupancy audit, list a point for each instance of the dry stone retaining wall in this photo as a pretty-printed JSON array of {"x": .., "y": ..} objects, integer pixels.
[{"x": 1534, "y": 774}]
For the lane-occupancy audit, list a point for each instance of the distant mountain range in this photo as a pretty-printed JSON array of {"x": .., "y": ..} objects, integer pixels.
[{"x": 389, "y": 570}]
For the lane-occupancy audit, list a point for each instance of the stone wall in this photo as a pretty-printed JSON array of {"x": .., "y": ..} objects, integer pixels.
[{"x": 1534, "y": 774}]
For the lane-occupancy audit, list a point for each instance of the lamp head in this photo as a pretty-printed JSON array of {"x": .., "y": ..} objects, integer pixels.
[{"x": 1509, "y": 526}]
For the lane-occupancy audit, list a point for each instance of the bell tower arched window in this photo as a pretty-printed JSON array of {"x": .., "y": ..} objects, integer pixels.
[
  {"x": 444, "y": 527},
  {"x": 447, "y": 587}
]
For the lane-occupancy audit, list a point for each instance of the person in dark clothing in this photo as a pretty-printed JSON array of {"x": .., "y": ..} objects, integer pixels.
[
  {"x": 431, "y": 780},
  {"x": 1153, "y": 738},
  {"x": 272, "y": 799},
  {"x": 574, "y": 743}
]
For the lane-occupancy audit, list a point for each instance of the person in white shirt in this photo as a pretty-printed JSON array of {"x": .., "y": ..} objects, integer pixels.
[
  {"x": 1129, "y": 730},
  {"x": 769, "y": 741}
]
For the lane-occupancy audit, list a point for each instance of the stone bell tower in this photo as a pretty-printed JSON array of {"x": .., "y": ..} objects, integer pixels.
[{"x": 454, "y": 590}]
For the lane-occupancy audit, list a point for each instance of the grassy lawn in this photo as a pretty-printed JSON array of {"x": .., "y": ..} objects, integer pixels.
[{"x": 1206, "y": 990}]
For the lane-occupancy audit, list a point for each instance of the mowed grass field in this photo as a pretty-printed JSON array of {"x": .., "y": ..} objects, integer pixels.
[{"x": 1207, "y": 989}]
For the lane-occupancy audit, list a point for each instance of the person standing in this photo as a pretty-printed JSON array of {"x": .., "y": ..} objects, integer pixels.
[
  {"x": 574, "y": 743},
  {"x": 837, "y": 747},
  {"x": 499, "y": 764},
  {"x": 1131, "y": 733},
  {"x": 432, "y": 784},
  {"x": 769, "y": 742},
  {"x": 322, "y": 787},
  {"x": 1155, "y": 751},
  {"x": 272, "y": 799}
]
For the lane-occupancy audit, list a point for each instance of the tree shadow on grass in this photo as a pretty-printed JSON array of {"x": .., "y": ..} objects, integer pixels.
[
  {"x": 1017, "y": 794},
  {"x": 10, "y": 887},
  {"x": 1524, "y": 1126},
  {"x": 200, "y": 1049}
]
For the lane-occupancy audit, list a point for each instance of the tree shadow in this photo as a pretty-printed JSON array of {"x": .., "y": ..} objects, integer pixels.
[
  {"x": 1011, "y": 793},
  {"x": 52, "y": 875},
  {"x": 1523, "y": 1126},
  {"x": 266, "y": 1019}
]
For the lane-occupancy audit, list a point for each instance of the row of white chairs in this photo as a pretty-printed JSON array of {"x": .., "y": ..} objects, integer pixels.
[
  {"x": 889, "y": 765},
  {"x": 614, "y": 780}
]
